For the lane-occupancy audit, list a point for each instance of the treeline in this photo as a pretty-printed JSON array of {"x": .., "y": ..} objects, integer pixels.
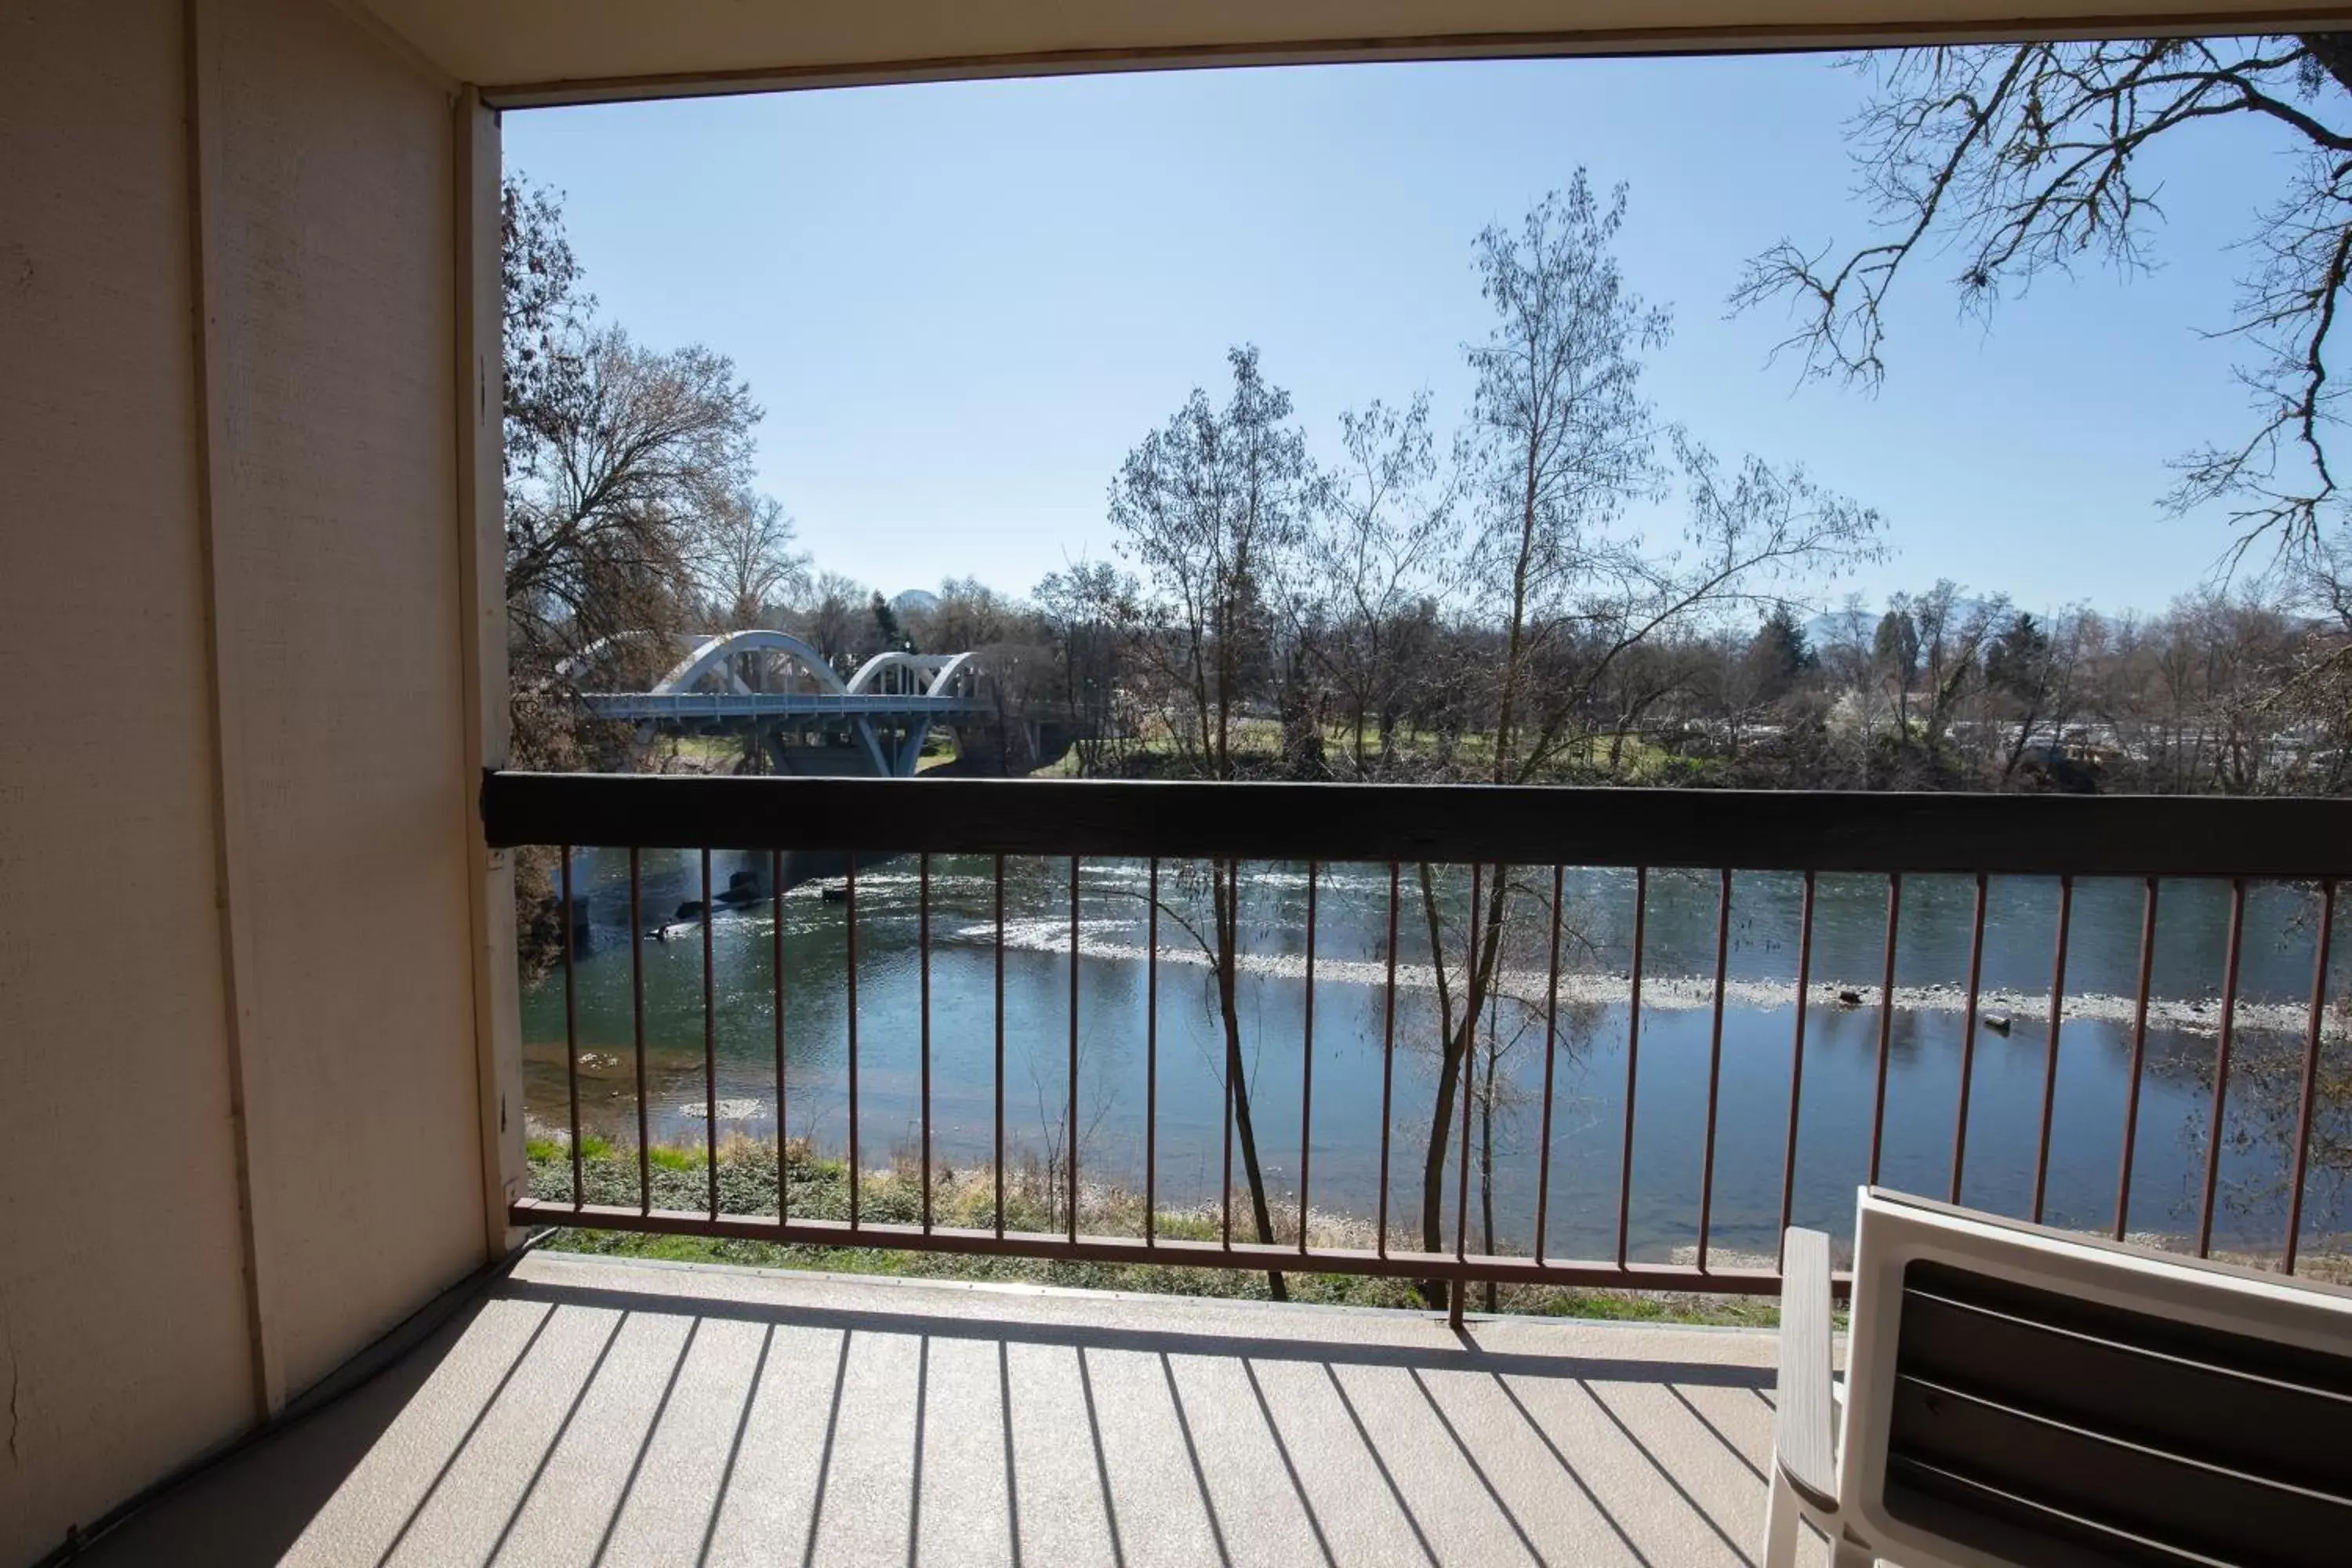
[
  {"x": 1569, "y": 586},
  {"x": 2222, "y": 693}
]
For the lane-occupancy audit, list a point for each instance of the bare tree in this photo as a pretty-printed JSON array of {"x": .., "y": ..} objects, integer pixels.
[
  {"x": 2033, "y": 158},
  {"x": 1087, "y": 611},
  {"x": 614, "y": 454},
  {"x": 607, "y": 519},
  {"x": 750, "y": 566},
  {"x": 2036, "y": 670},
  {"x": 1206, "y": 507},
  {"x": 966, "y": 614},
  {"x": 833, "y": 616},
  {"x": 1377, "y": 560},
  {"x": 1562, "y": 442},
  {"x": 1954, "y": 631}
]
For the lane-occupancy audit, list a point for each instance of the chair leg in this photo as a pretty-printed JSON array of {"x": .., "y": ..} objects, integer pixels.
[
  {"x": 1844, "y": 1553},
  {"x": 1781, "y": 1512}
]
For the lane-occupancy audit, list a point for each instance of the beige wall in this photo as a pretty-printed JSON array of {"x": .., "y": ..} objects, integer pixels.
[
  {"x": 121, "y": 1267},
  {"x": 305, "y": 764}
]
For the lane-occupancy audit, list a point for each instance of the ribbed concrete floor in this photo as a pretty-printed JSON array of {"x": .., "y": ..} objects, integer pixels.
[{"x": 599, "y": 1412}]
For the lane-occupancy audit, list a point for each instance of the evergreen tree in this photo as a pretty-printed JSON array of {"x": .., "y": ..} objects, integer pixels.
[{"x": 1780, "y": 653}]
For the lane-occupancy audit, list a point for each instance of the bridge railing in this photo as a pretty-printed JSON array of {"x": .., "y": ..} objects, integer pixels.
[
  {"x": 713, "y": 705},
  {"x": 1200, "y": 833}
]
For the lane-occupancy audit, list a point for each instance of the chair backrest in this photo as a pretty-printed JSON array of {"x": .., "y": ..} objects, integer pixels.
[{"x": 2020, "y": 1395}]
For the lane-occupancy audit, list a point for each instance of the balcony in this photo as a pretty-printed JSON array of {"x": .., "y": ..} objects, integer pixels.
[
  {"x": 267, "y": 1093},
  {"x": 589, "y": 1411},
  {"x": 575, "y": 1408}
]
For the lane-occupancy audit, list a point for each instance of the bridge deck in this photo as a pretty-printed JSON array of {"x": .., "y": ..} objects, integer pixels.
[{"x": 642, "y": 706}]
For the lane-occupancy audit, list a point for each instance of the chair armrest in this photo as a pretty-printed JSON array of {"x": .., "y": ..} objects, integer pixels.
[{"x": 1806, "y": 1404}]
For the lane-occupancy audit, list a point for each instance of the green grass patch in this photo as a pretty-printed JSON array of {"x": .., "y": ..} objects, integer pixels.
[{"x": 748, "y": 1174}]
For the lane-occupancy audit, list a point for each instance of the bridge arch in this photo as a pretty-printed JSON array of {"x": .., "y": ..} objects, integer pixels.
[
  {"x": 715, "y": 651},
  {"x": 924, "y": 666},
  {"x": 586, "y": 660},
  {"x": 935, "y": 673},
  {"x": 946, "y": 677}
]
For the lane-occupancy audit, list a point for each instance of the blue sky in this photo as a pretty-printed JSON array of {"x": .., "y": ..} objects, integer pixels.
[{"x": 961, "y": 304}]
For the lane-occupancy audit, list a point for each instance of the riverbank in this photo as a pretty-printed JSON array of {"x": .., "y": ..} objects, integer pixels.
[{"x": 819, "y": 1187}]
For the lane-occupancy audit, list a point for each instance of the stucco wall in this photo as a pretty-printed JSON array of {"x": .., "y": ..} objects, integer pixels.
[
  {"x": 304, "y": 766},
  {"x": 329, "y": 272},
  {"x": 121, "y": 1284}
]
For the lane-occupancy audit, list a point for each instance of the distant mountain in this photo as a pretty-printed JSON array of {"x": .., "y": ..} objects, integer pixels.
[
  {"x": 1840, "y": 627},
  {"x": 919, "y": 601},
  {"x": 1858, "y": 627}
]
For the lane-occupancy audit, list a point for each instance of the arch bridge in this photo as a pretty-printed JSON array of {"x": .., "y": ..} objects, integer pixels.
[{"x": 874, "y": 722}]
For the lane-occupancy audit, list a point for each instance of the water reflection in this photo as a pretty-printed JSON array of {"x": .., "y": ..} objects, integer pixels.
[{"x": 1923, "y": 1038}]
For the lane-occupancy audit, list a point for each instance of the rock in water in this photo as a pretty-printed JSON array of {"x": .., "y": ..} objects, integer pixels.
[{"x": 1997, "y": 1022}]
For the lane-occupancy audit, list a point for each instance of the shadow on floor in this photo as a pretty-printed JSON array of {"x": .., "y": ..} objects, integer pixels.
[{"x": 608, "y": 1412}]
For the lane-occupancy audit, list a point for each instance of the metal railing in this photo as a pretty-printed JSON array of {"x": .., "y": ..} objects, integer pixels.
[{"x": 2152, "y": 840}]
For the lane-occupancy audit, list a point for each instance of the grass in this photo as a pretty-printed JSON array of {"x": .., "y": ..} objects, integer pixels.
[
  {"x": 747, "y": 1173},
  {"x": 1639, "y": 759},
  {"x": 552, "y": 1150},
  {"x": 704, "y": 751}
]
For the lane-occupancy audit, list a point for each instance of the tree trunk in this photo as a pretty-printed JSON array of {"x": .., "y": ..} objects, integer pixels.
[
  {"x": 1228, "y": 921},
  {"x": 1458, "y": 1041},
  {"x": 1486, "y": 1147}
]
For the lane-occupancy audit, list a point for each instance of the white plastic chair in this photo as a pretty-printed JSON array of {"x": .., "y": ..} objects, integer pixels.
[{"x": 2020, "y": 1395}]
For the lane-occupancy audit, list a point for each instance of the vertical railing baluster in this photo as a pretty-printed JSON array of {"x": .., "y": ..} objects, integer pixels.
[
  {"x": 2221, "y": 1065},
  {"x": 2050, "y": 1051},
  {"x": 1230, "y": 940},
  {"x": 849, "y": 927},
  {"x": 1070, "y": 1131},
  {"x": 999, "y": 1045},
  {"x": 1551, "y": 1049},
  {"x": 1796, "y": 1072},
  {"x": 1714, "y": 1064},
  {"x": 1152, "y": 1060},
  {"x": 2310, "y": 1072},
  {"x": 709, "y": 1049},
  {"x": 1633, "y": 1060},
  {"x": 1886, "y": 1023},
  {"x": 1307, "y": 1069},
  {"x": 1470, "y": 999},
  {"x": 2138, "y": 1058},
  {"x": 1968, "y": 1040},
  {"x": 923, "y": 969},
  {"x": 1388, "y": 1062},
  {"x": 774, "y": 974},
  {"x": 637, "y": 1026},
  {"x": 572, "y": 1029}
]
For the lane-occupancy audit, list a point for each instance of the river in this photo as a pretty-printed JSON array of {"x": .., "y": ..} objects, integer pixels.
[{"x": 1350, "y": 965}]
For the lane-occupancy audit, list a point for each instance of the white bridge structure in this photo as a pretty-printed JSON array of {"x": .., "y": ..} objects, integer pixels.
[{"x": 885, "y": 711}]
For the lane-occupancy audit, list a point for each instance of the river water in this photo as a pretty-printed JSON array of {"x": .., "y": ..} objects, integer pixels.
[{"x": 1840, "y": 1069}]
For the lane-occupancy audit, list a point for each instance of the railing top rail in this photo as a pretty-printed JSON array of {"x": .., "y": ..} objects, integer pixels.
[{"x": 2133, "y": 836}]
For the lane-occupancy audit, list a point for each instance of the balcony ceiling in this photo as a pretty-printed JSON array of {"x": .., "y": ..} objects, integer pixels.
[{"x": 552, "y": 51}]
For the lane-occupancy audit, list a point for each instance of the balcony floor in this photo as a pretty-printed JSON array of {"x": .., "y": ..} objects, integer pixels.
[{"x": 590, "y": 1410}]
